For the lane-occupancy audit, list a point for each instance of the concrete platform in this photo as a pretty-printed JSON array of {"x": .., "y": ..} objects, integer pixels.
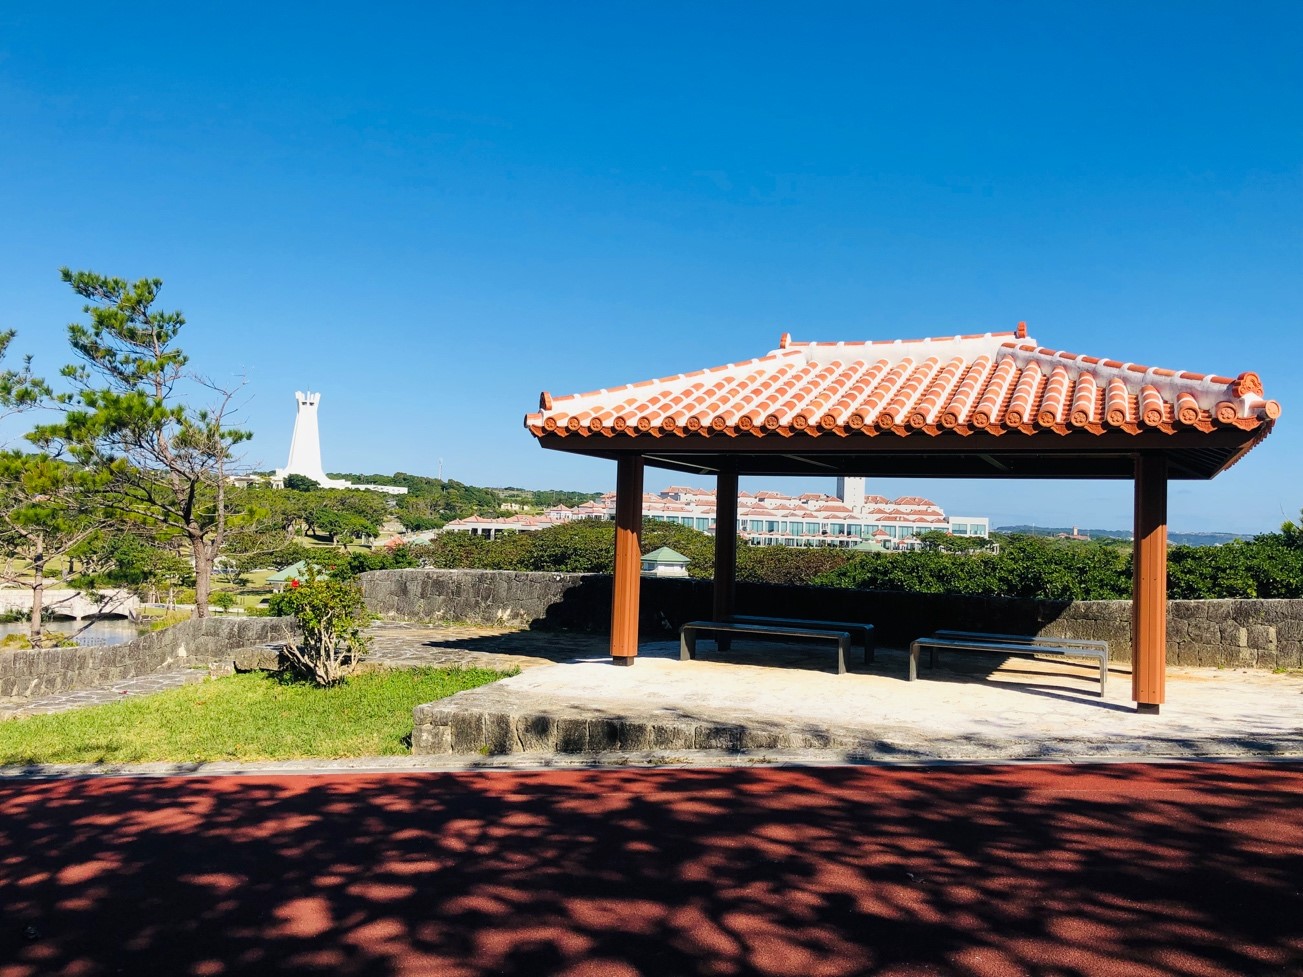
[{"x": 771, "y": 701}]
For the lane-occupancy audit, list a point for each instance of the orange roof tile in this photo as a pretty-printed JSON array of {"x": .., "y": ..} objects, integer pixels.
[{"x": 981, "y": 384}]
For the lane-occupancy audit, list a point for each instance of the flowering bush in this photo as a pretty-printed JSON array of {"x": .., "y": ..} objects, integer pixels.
[{"x": 332, "y": 615}]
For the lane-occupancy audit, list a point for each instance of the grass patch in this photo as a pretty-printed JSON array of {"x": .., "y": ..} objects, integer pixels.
[
  {"x": 243, "y": 717},
  {"x": 156, "y": 618}
]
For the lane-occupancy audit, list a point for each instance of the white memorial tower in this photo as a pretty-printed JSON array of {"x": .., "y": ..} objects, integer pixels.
[
  {"x": 305, "y": 450},
  {"x": 305, "y": 445}
]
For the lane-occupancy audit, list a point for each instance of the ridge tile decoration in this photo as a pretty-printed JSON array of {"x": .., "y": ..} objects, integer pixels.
[{"x": 993, "y": 384}]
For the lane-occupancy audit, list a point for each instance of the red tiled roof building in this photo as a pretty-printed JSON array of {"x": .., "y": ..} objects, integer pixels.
[{"x": 993, "y": 405}]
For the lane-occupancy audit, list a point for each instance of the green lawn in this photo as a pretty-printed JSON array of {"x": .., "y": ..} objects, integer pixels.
[{"x": 254, "y": 716}]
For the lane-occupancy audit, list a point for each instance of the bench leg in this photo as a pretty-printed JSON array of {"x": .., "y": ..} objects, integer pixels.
[
  {"x": 687, "y": 645},
  {"x": 843, "y": 645},
  {"x": 913, "y": 661}
]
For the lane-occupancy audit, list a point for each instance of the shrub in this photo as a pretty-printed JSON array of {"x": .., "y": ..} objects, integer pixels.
[
  {"x": 697, "y": 546},
  {"x": 582, "y": 546},
  {"x": 788, "y": 564},
  {"x": 331, "y": 614},
  {"x": 1025, "y": 567},
  {"x": 398, "y": 558}
]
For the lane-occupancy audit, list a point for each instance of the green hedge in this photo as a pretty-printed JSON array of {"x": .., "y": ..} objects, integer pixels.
[{"x": 1270, "y": 565}]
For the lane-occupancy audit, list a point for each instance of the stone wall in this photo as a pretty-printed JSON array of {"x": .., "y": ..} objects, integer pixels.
[
  {"x": 506, "y": 597},
  {"x": 24, "y": 674},
  {"x": 1252, "y": 633}
]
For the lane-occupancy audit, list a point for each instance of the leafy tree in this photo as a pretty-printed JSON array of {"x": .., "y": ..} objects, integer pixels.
[
  {"x": 228, "y": 570},
  {"x": 939, "y": 540},
  {"x": 223, "y": 599},
  {"x": 262, "y": 523},
  {"x": 116, "y": 556},
  {"x": 341, "y": 524},
  {"x": 368, "y": 507},
  {"x": 19, "y": 389},
  {"x": 546, "y": 498},
  {"x": 1292, "y": 535},
  {"x": 395, "y": 558},
  {"x": 1277, "y": 563},
  {"x": 301, "y": 483},
  {"x": 432, "y": 502},
  {"x": 165, "y": 462},
  {"x": 46, "y": 511}
]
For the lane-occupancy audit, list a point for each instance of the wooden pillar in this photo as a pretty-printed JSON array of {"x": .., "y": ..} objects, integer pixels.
[
  {"x": 1149, "y": 584},
  {"x": 725, "y": 545},
  {"x": 628, "y": 559}
]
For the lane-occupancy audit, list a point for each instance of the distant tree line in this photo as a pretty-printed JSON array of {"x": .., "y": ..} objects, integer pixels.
[{"x": 431, "y": 503}]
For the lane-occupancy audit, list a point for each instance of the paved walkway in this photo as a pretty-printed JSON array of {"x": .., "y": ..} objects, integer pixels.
[
  {"x": 101, "y": 694},
  {"x": 1118, "y": 870}
]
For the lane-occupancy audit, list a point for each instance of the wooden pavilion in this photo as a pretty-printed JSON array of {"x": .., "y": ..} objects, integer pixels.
[{"x": 979, "y": 406}]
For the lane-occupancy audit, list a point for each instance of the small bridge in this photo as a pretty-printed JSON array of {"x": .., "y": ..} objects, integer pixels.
[{"x": 75, "y": 604}]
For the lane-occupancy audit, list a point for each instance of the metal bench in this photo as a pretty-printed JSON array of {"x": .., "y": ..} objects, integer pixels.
[
  {"x": 1025, "y": 639},
  {"x": 1018, "y": 645},
  {"x": 863, "y": 631},
  {"x": 688, "y": 636}
]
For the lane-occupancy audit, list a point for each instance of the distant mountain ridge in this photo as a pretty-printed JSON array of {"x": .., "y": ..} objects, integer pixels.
[{"x": 1182, "y": 539}]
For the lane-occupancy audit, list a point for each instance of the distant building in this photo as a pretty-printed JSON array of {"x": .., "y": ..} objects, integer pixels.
[
  {"x": 770, "y": 518},
  {"x": 665, "y": 562},
  {"x": 492, "y": 527},
  {"x": 293, "y": 574}
]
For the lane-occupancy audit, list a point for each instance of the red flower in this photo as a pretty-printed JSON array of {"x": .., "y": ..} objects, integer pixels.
[{"x": 294, "y": 583}]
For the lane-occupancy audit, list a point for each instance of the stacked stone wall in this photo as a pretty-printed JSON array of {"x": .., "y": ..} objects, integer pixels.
[
  {"x": 24, "y": 674},
  {"x": 1226, "y": 633}
]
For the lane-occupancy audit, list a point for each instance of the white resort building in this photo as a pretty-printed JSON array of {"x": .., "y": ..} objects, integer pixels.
[{"x": 849, "y": 518}]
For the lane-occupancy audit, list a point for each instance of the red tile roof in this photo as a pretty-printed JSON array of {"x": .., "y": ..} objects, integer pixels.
[{"x": 994, "y": 384}]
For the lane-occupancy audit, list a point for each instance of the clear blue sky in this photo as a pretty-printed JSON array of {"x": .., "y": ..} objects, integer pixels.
[{"x": 431, "y": 212}]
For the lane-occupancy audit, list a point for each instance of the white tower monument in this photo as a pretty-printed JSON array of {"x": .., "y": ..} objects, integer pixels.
[
  {"x": 305, "y": 450},
  {"x": 305, "y": 445}
]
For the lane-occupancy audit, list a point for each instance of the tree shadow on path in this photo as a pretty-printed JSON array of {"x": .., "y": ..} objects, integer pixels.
[{"x": 1182, "y": 870}]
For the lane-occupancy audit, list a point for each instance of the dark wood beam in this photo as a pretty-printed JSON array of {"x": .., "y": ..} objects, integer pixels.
[{"x": 725, "y": 545}]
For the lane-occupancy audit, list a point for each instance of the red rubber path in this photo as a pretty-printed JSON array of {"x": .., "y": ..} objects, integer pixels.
[{"x": 1181, "y": 870}]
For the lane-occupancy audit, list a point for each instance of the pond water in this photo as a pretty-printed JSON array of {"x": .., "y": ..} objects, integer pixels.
[{"x": 99, "y": 633}]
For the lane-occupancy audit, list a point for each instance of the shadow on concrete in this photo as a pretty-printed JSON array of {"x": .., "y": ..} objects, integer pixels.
[
  {"x": 553, "y": 646},
  {"x": 1169, "y": 871}
]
